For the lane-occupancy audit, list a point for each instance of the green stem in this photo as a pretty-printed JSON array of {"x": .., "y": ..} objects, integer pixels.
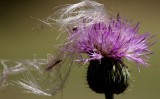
[{"x": 109, "y": 96}]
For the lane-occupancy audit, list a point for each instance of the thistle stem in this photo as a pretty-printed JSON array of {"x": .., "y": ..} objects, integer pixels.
[{"x": 109, "y": 96}]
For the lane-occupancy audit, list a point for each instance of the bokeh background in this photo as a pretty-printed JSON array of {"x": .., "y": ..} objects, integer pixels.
[{"x": 21, "y": 39}]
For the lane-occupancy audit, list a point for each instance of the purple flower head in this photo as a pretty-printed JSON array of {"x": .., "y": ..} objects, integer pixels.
[{"x": 116, "y": 38}]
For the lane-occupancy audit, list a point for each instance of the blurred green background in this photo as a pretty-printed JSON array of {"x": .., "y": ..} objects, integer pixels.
[{"x": 21, "y": 39}]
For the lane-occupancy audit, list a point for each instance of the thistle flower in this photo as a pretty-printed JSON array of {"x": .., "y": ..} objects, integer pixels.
[
  {"x": 94, "y": 37},
  {"x": 116, "y": 39},
  {"x": 106, "y": 44}
]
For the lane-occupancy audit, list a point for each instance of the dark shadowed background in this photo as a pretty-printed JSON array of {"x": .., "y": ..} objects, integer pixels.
[{"x": 21, "y": 39}]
